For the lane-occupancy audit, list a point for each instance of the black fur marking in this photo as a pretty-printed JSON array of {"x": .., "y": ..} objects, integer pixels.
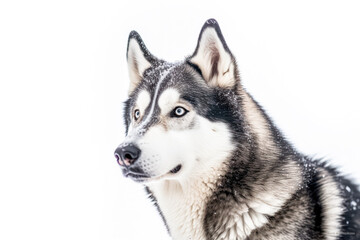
[
  {"x": 221, "y": 109},
  {"x": 196, "y": 68},
  {"x": 314, "y": 189},
  {"x": 126, "y": 113}
]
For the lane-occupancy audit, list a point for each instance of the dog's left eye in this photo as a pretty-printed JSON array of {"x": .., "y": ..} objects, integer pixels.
[
  {"x": 136, "y": 114},
  {"x": 179, "y": 112}
]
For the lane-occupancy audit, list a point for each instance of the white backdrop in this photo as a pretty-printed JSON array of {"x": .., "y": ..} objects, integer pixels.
[{"x": 63, "y": 78}]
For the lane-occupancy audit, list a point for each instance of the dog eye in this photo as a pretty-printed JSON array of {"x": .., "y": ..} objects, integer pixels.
[
  {"x": 136, "y": 114},
  {"x": 179, "y": 112}
]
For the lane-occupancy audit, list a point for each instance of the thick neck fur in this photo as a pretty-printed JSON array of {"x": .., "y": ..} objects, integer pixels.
[
  {"x": 219, "y": 202},
  {"x": 183, "y": 203},
  {"x": 248, "y": 194}
]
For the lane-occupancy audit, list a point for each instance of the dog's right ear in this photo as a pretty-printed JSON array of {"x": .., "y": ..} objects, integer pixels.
[{"x": 139, "y": 59}]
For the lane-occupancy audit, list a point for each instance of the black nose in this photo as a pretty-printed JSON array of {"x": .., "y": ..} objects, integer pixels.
[{"x": 127, "y": 155}]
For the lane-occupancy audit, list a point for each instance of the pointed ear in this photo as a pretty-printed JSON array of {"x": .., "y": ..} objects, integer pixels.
[
  {"x": 139, "y": 59},
  {"x": 213, "y": 57}
]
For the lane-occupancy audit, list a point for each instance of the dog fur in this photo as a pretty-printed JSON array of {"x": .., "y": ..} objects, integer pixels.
[{"x": 212, "y": 160}]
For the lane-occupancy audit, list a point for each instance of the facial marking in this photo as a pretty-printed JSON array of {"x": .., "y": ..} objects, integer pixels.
[
  {"x": 143, "y": 101},
  {"x": 168, "y": 100},
  {"x": 141, "y": 128}
]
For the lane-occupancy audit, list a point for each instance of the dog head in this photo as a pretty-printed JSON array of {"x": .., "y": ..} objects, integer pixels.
[{"x": 180, "y": 117}]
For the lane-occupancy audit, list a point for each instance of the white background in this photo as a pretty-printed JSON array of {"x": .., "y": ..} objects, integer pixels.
[{"x": 63, "y": 78}]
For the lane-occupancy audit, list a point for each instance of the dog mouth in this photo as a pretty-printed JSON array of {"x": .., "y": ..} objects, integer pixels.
[
  {"x": 176, "y": 169},
  {"x": 139, "y": 176}
]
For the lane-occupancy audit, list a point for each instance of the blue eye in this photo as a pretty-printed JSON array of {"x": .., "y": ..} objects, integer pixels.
[
  {"x": 179, "y": 112},
  {"x": 136, "y": 114}
]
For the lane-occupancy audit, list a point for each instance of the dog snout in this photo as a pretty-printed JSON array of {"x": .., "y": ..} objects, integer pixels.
[{"x": 127, "y": 155}]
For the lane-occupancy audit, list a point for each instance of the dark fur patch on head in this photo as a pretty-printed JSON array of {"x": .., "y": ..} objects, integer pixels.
[{"x": 195, "y": 67}]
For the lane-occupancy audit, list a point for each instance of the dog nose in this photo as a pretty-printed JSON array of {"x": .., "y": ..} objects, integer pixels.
[{"x": 127, "y": 155}]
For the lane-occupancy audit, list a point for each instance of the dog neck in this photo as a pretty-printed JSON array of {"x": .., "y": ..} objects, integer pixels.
[{"x": 183, "y": 203}]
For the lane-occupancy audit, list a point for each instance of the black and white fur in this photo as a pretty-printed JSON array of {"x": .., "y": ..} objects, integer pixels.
[{"x": 213, "y": 161}]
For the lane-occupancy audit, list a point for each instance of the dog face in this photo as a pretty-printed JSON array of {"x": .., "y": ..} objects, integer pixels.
[{"x": 178, "y": 116}]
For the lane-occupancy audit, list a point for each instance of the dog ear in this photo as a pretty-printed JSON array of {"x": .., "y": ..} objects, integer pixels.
[
  {"x": 213, "y": 57},
  {"x": 139, "y": 59}
]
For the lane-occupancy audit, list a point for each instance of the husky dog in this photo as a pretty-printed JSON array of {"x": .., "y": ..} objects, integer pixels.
[{"x": 212, "y": 160}]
